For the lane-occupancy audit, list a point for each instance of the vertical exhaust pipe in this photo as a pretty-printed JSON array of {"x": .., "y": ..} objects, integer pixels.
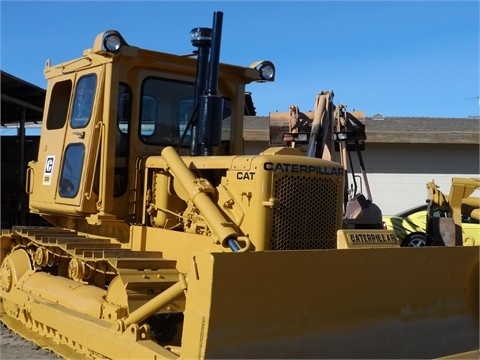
[
  {"x": 207, "y": 132},
  {"x": 202, "y": 39}
]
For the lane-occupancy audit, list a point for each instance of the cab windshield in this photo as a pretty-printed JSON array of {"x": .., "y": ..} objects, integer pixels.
[{"x": 166, "y": 110}]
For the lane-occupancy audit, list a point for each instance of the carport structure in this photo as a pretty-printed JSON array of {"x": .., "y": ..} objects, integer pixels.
[{"x": 22, "y": 106}]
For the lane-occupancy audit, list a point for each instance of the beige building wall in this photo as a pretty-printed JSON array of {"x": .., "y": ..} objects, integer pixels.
[{"x": 398, "y": 173}]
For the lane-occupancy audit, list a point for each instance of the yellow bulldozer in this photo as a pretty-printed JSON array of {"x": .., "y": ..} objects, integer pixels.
[{"x": 167, "y": 242}]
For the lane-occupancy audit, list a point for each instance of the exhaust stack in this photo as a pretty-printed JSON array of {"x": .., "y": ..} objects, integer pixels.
[{"x": 206, "y": 131}]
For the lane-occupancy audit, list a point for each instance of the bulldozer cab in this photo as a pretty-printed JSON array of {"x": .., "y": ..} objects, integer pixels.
[{"x": 109, "y": 109}]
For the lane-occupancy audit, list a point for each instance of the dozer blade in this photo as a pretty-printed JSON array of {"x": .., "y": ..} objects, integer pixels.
[{"x": 357, "y": 303}]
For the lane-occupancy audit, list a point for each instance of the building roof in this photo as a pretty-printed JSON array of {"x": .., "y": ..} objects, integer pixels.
[
  {"x": 18, "y": 95},
  {"x": 395, "y": 130},
  {"x": 423, "y": 130}
]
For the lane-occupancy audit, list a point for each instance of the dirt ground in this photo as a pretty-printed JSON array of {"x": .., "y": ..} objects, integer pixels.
[{"x": 14, "y": 347}]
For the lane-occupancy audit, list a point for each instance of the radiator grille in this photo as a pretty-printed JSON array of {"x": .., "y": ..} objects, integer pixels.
[{"x": 304, "y": 215}]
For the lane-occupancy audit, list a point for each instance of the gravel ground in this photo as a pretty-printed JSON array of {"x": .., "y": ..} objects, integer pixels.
[{"x": 13, "y": 346}]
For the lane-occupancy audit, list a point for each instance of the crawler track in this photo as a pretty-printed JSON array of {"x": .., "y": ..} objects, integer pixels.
[
  {"x": 39, "y": 284},
  {"x": 29, "y": 344},
  {"x": 101, "y": 257}
]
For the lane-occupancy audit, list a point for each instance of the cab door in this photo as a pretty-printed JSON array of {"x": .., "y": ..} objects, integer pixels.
[{"x": 75, "y": 185}]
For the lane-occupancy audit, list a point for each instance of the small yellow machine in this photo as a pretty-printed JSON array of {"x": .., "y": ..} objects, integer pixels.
[
  {"x": 453, "y": 219},
  {"x": 444, "y": 220},
  {"x": 167, "y": 242}
]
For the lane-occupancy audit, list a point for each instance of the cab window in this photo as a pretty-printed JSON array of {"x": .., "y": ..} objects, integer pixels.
[
  {"x": 166, "y": 109},
  {"x": 83, "y": 101},
  {"x": 124, "y": 114},
  {"x": 71, "y": 170},
  {"x": 58, "y": 108}
]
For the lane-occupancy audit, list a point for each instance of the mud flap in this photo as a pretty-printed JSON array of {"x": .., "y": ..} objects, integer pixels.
[{"x": 358, "y": 303}]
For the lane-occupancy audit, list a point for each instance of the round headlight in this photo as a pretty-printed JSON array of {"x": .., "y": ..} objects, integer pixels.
[
  {"x": 267, "y": 72},
  {"x": 112, "y": 42}
]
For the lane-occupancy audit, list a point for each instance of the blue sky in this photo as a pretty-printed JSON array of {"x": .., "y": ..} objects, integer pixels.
[{"x": 397, "y": 58}]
